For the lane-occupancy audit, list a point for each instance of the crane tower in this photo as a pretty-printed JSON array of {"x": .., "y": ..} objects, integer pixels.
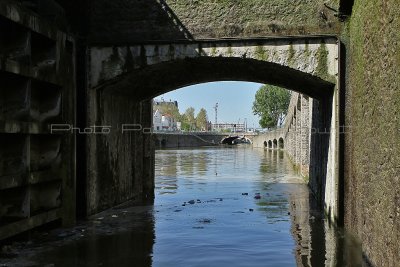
[{"x": 216, "y": 115}]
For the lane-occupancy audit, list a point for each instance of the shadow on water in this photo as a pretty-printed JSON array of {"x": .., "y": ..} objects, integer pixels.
[
  {"x": 132, "y": 248},
  {"x": 317, "y": 241},
  {"x": 228, "y": 226},
  {"x": 122, "y": 236}
]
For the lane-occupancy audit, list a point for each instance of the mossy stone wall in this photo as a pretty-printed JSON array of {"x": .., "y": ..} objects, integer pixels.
[{"x": 372, "y": 173}]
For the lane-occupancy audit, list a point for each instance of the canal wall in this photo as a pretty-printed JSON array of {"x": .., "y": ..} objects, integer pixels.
[
  {"x": 37, "y": 91},
  {"x": 178, "y": 140},
  {"x": 120, "y": 160},
  {"x": 372, "y": 147},
  {"x": 306, "y": 137}
]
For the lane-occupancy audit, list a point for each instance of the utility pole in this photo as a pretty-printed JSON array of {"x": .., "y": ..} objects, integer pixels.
[{"x": 216, "y": 115}]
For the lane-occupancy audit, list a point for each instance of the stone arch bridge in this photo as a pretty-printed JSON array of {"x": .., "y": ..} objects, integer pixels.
[
  {"x": 137, "y": 73},
  {"x": 305, "y": 64},
  {"x": 91, "y": 67},
  {"x": 79, "y": 84}
]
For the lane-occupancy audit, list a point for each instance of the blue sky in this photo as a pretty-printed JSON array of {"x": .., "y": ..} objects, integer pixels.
[{"x": 235, "y": 100}]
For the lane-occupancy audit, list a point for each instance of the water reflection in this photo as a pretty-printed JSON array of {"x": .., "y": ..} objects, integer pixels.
[
  {"x": 220, "y": 207},
  {"x": 123, "y": 236},
  {"x": 283, "y": 223},
  {"x": 168, "y": 166}
]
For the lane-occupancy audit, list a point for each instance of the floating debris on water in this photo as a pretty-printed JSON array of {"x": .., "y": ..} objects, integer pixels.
[{"x": 204, "y": 220}]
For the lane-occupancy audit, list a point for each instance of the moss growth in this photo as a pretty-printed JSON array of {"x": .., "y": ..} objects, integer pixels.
[
  {"x": 322, "y": 67},
  {"x": 230, "y": 51},
  {"x": 322, "y": 57},
  {"x": 372, "y": 82},
  {"x": 307, "y": 52},
  {"x": 213, "y": 51},
  {"x": 261, "y": 54},
  {"x": 252, "y": 18},
  {"x": 291, "y": 55}
]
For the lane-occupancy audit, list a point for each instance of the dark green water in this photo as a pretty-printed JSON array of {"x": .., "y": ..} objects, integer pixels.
[{"x": 205, "y": 214}]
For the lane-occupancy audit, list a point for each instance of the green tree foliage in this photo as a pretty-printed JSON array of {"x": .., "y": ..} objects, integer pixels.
[
  {"x": 168, "y": 108},
  {"x": 188, "y": 120},
  {"x": 271, "y": 104},
  {"x": 201, "y": 119}
]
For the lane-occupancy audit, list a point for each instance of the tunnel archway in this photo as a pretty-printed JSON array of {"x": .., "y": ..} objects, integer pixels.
[
  {"x": 275, "y": 144},
  {"x": 151, "y": 81},
  {"x": 265, "y": 144},
  {"x": 281, "y": 143},
  {"x": 134, "y": 91},
  {"x": 269, "y": 144}
]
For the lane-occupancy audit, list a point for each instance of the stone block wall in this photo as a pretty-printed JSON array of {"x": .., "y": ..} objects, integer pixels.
[{"x": 306, "y": 135}]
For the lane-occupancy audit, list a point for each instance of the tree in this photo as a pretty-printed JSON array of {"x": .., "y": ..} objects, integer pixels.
[
  {"x": 188, "y": 120},
  {"x": 271, "y": 104},
  {"x": 201, "y": 119},
  {"x": 168, "y": 108}
]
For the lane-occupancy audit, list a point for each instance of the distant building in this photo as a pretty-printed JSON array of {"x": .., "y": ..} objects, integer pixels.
[
  {"x": 157, "y": 119},
  {"x": 230, "y": 127},
  {"x": 162, "y": 102},
  {"x": 165, "y": 122},
  {"x": 178, "y": 125}
]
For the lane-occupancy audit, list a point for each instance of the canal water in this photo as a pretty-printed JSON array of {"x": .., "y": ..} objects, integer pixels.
[{"x": 233, "y": 206}]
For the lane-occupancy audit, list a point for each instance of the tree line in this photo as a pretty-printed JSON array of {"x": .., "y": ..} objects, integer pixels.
[
  {"x": 271, "y": 104},
  {"x": 189, "y": 121}
]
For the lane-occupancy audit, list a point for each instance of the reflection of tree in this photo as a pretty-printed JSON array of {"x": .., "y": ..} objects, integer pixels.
[
  {"x": 274, "y": 162},
  {"x": 166, "y": 172},
  {"x": 275, "y": 206},
  {"x": 201, "y": 160},
  {"x": 187, "y": 163},
  {"x": 264, "y": 168},
  {"x": 169, "y": 167},
  {"x": 280, "y": 154}
]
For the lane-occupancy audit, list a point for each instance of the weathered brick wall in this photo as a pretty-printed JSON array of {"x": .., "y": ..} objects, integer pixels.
[{"x": 372, "y": 174}]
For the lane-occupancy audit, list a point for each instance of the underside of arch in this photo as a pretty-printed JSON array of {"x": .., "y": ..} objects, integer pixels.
[{"x": 150, "y": 81}]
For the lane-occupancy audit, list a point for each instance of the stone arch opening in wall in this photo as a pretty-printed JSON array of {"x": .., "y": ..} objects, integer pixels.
[
  {"x": 266, "y": 144},
  {"x": 281, "y": 143},
  {"x": 275, "y": 144},
  {"x": 270, "y": 144},
  {"x": 135, "y": 90},
  {"x": 150, "y": 81}
]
